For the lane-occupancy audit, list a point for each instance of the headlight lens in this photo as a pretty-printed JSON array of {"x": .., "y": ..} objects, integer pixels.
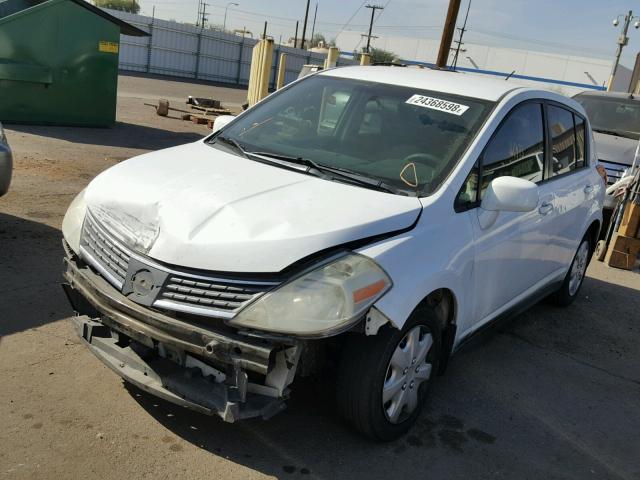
[{"x": 321, "y": 301}]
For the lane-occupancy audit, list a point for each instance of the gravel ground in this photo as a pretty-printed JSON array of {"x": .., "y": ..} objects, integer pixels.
[{"x": 554, "y": 394}]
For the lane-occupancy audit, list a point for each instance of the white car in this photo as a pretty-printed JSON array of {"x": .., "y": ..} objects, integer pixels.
[{"x": 373, "y": 244}]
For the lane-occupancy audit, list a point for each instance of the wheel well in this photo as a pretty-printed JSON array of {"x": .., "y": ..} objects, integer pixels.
[
  {"x": 593, "y": 232},
  {"x": 443, "y": 302}
]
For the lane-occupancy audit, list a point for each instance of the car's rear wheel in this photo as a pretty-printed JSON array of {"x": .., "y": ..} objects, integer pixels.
[
  {"x": 575, "y": 276},
  {"x": 383, "y": 379}
]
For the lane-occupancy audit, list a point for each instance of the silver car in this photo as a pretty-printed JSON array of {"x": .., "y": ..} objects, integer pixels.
[
  {"x": 615, "y": 119},
  {"x": 6, "y": 163}
]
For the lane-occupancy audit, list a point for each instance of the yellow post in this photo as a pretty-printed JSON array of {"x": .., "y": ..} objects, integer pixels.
[
  {"x": 282, "y": 69},
  {"x": 266, "y": 62},
  {"x": 365, "y": 59},
  {"x": 332, "y": 57},
  {"x": 261, "y": 60}
]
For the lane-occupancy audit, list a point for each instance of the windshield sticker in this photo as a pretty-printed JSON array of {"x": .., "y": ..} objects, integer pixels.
[{"x": 438, "y": 104}]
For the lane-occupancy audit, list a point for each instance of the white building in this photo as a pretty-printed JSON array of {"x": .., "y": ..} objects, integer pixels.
[{"x": 567, "y": 74}]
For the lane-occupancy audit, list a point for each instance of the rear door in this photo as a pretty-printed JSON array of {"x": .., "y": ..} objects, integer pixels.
[{"x": 569, "y": 179}]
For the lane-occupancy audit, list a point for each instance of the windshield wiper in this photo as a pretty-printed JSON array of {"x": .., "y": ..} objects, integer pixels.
[
  {"x": 234, "y": 144},
  {"x": 340, "y": 173}
]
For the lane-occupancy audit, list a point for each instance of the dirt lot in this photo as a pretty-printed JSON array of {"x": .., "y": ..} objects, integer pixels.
[{"x": 555, "y": 394}]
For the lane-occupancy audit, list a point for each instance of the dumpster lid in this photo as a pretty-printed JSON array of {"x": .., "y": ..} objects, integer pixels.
[{"x": 10, "y": 7}]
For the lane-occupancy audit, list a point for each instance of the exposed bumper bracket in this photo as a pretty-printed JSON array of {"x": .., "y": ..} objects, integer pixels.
[{"x": 163, "y": 378}]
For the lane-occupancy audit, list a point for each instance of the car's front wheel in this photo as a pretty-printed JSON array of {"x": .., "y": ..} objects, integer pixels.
[{"x": 384, "y": 379}]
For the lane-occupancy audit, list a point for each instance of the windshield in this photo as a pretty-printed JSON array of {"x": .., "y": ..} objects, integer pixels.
[
  {"x": 613, "y": 115},
  {"x": 407, "y": 138}
]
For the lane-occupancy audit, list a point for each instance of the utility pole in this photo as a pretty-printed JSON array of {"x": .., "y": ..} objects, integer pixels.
[
  {"x": 373, "y": 12},
  {"x": 295, "y": 38},
  {"x": 264, "y": 32},
  {"x": 204, "y": 14},
  {"x": 447, "y": 33},
  {"x": 304, "y": 26},
  {"x": 199, "y": 11},
  {"x": 313, "y": 28},
  {"x": 459, "y": 41},
  {"x": 623, "y": 41}
]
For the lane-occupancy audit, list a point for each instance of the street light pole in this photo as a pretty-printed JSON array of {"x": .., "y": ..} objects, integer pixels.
[
  {"x": 224, "y": 24},
  {"x": 623, "y": 40}
]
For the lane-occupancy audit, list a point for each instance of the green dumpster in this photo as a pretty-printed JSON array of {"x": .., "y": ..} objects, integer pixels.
[{"x": 59, "y": 62}]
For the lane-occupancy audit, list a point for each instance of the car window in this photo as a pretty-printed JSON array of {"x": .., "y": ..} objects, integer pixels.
[
  {"x": 407, "y": 138},
  {"x": 563, "y": 140},
  {"x": 517, "y": 147}
]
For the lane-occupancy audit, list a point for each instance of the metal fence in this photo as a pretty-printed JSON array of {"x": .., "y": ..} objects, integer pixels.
[{"x": 181, "y": 50}]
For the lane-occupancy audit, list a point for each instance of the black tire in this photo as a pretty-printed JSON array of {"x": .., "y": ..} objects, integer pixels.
[
  {"x": 601, "y": 251},
  {"x": 362, "y": 372},
  {"x": 564, "y": 297}
]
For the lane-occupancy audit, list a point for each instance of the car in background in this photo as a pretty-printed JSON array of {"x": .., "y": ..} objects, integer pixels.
[
  {"x": 6, "y": 163},
  {"x": 363, "y": 221},
  {"x": 615, "y": 120}
]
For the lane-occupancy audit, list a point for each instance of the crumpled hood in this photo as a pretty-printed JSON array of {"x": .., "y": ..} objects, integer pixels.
[
  {"x": 212, "y": 210},
  {"x": 615, "y": 149}
]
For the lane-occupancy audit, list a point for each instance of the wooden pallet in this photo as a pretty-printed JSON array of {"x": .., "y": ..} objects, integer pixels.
[
  {"x": 623, "y": 252},
  {"x": 630, "y": 224},
  {"x": 211, "y": 110},
  {"x": 197, "y": 119}
]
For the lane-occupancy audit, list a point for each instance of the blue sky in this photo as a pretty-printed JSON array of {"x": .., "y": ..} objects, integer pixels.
[{"x": 578, "y": 27}]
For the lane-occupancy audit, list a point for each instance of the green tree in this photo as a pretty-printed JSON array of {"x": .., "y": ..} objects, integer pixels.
[
  {"x": 379, "y": 55},
  {"x": 318, "y": 39},
  {"x": 131, "y": 6}
]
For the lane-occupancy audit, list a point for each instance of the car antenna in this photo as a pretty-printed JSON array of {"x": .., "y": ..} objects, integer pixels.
[{"x": 509, "y": 76}]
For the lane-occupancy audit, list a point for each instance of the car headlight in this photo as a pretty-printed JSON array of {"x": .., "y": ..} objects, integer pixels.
[{"x": 321, "y": 301}]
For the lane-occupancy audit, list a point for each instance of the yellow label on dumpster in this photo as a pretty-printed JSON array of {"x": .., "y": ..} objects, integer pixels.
[{"x": 108, "y": 47}]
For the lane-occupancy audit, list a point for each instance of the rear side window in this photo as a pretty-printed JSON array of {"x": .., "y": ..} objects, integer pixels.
[
  {"x": 563, "y": 140},
  {"x": 517, "y": 148}
]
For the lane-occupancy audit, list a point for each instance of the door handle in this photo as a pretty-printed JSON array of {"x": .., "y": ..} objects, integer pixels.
[
  {"x": 545, "y": 208},
  {"x": 588, "y": 189}
]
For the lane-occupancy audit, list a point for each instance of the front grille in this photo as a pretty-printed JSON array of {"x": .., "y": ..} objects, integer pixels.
[
  {"x": 200, "y": 294},
  {"x": 103, "y": 253},
  {"x": 614, "y": 170},
  {"x": 181, "y": 290}
]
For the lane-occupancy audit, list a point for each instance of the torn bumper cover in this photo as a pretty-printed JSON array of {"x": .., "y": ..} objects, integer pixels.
[{"x": 212, "y": 371}]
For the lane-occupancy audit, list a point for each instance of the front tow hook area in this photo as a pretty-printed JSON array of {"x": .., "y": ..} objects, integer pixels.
[{"x": 143, "y": 367}]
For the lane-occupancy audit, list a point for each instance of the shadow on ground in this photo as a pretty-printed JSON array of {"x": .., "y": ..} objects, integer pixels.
[
  {"x": 519, "y": 404},
  {"x": 125, "y": 135},
  {"x": 30, "y": 275}
]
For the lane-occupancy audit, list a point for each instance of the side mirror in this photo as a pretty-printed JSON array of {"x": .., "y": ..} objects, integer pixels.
[
  {"x": 510, "y": 194},
  {"x": 221, "y": 121}
]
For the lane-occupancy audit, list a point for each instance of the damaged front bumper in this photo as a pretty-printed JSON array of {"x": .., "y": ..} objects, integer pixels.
[{"x": 215, "y": 371}]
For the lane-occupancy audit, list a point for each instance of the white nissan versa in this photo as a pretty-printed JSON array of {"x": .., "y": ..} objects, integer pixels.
[{"x": 366, "y": 219}]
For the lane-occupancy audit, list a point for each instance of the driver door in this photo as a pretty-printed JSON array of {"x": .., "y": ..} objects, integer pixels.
[{"x": 512, "y": 248}]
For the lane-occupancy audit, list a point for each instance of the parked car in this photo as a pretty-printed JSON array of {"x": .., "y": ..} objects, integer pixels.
[
  {"x": 6, "y": 163},
  {"x": 373, "y": 245},
  {"x": 615, "y": 120}
]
